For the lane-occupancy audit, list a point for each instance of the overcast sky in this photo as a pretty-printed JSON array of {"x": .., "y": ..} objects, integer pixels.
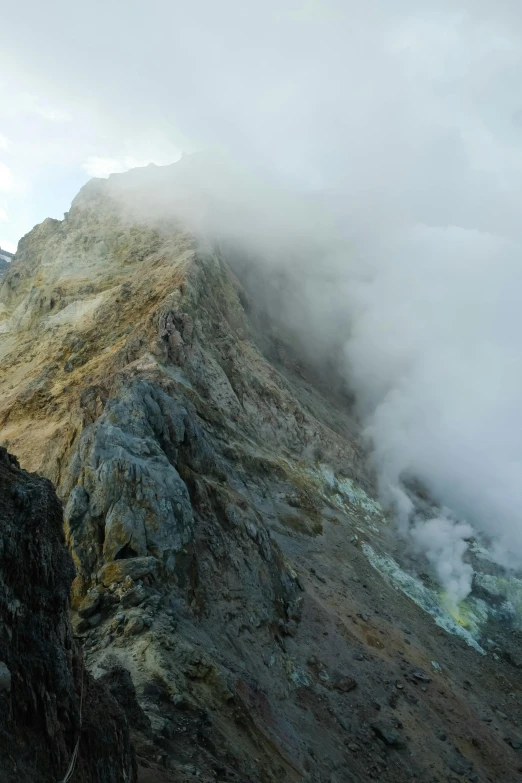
[{"x": 416, "y": 99}]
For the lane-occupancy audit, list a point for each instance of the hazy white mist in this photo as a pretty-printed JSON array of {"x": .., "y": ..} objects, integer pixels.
[{"x": 389, "y": 139}]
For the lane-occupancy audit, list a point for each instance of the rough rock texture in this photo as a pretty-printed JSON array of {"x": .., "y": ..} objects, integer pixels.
[
  {"x": 41, "y": 666},
  {"x": 230, "y": 553}
]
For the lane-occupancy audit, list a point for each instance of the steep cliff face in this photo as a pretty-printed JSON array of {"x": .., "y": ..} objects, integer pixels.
[
  {"x": 230, "y": 553},
  {"x": 49, "y": 703}
]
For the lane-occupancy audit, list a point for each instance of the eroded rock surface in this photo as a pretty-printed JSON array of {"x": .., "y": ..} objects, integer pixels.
[
  {"x": 48, "y": 700},
  {"x": 230, "y": 553}
]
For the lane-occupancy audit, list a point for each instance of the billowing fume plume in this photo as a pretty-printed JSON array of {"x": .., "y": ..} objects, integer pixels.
[{"x": 387, "y": 138}]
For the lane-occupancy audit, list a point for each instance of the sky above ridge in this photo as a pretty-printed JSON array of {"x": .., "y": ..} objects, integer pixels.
[{"x": 419, "y": 98}]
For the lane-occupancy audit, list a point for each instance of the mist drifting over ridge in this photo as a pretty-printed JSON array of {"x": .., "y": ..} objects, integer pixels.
[{"x": 388, "y": 143}]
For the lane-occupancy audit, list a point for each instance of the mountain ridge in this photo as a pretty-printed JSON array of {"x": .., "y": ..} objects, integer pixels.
[{"x": 230, "y": 549}]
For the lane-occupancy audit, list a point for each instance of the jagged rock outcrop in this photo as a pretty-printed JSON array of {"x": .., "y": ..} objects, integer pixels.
[
  {"x": 126, "y": 494},
  {"x": 48, "y": 700},
  {"x": 229, "y": 550}
]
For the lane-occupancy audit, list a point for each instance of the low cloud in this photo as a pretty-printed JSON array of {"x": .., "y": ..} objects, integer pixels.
[
  {"x": 104, "y": 167},
  {"x": 390, "y": 135},
  {"x": 6, "y": 178},
  {"x": 423, "y": 321},
  {"x": 5, "y": 244}
]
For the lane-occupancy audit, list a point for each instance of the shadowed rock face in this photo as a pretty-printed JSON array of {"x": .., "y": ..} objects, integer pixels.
[
  {"x": 128, "y": 496},
  {"x": 5, "y": 259},
  {"x": 42, "y": 667},
  {"x": 232, "y": 562}
]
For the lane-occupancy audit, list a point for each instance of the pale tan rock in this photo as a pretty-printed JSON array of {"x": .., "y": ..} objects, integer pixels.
[{"x": 120, "y": 570}]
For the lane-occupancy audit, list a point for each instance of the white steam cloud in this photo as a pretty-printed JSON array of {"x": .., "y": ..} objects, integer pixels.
[
  {"x": 434, "y": 355},
  {"x": 427, "y": 320},
  {"x": 400, "y": 125}
]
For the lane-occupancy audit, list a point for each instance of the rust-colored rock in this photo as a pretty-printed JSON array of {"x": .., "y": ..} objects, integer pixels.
[{"x": 133, "y": 568}]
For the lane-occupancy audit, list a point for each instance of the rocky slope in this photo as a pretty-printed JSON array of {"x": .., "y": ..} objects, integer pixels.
[
  {"x": 48, "y": 701},
  {"x": 231, "y": 557}
]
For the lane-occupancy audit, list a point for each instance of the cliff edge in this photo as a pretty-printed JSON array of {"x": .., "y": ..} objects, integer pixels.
[{"x": 53, "y": 716}]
